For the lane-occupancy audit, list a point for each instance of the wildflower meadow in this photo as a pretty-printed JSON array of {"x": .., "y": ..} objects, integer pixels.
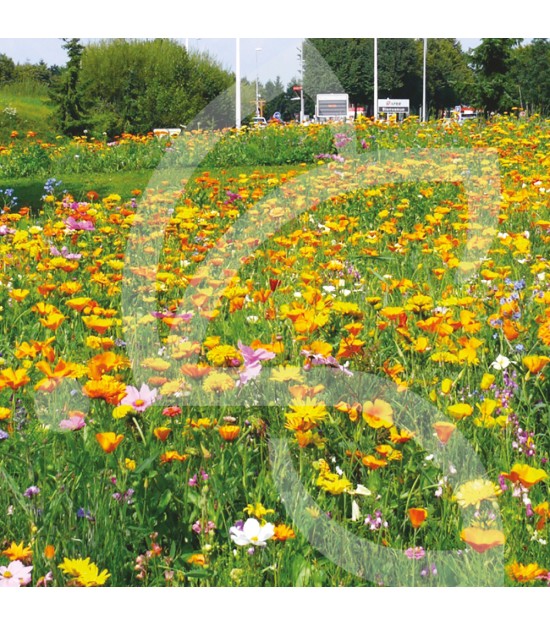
[{"x": 283, "y": 356}]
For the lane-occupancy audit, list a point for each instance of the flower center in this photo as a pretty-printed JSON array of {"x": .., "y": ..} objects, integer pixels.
[
  {"x": 7, "y": 574},
  {"x": 139, "y": 402}
]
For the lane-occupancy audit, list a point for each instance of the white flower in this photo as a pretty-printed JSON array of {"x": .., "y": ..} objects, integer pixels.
[
  {"x": 252, "y": 533},
  {"x": 355, "y": 511},
  {"x": 361, "y": 490},
  {"x": 329, "y": 288},
  {"x": 500, "y": 363}
]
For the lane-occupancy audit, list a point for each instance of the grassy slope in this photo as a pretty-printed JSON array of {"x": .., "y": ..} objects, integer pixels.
[{"x": 34, "y": 111}]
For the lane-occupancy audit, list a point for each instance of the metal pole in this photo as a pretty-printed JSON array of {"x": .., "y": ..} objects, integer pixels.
[
  {"x": 424, "y": 111},
  {"x": 257, "y": 85},
  {"x": 375, "y": 78},
  {"x": 302, "y": 84},
  {"x": 238, "y": 82}
]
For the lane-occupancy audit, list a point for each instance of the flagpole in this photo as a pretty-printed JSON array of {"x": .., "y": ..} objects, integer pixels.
[
  {"x": 238, "y": 82},
  {"x": 424, "y": 112},
  {"x": 375, "y": 78}
]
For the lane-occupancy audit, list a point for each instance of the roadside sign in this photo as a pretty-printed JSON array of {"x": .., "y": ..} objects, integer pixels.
[{"x": 394, "y": 106}]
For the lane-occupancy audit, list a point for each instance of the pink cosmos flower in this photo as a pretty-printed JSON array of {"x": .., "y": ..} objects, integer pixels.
[
  {"x": 15, "y": 575},
  {"x": 252, "y": 362},
  {"x": 139, "y": 400},
  {"x": 83, "y": 224},
  {"x": 72, "y": 423}
]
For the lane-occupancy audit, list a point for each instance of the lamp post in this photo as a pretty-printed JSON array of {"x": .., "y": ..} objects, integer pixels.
[
  {"x": 257, "y": 85},
  {"x": 375, "y": 78},
  {"x": 238, "y": 82},
  {"x": 301, "y": 52}
]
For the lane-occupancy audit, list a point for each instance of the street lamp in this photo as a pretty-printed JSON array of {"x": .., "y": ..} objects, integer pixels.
[
  {"x": 237, "y": 82},
  {"x": 257, "y": 85}
]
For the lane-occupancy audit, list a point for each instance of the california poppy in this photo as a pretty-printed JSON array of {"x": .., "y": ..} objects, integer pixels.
[
  {"x": 109, "y": 441},
  {"x": 417, "y": 516}
]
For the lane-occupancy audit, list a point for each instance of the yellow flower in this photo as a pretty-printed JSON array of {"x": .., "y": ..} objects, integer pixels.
[
  {"x": 119, "y": 412},
  {"x": 130, "y": 464},
  {"x": 486, "y": 381},
  {"x": 258, "y": 510},
  {"x": 378, "y": 414},
  {"x": 525, "y": 572},
  {"x": 218, "y": 382},
  {"x": 287, "y": 373},
  {"x": 305, "y": 414},
  {"x": 5, "y": 413},
  {"x": 333, "y": 484},
  {"x": 472, "y": 493},
  {"x": 460, "y": 411},
  {"x": 84, "y": 572},
  {"x": 224, "y": 356}
]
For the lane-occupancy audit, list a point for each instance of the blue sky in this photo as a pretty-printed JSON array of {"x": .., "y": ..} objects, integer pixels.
[{"x": 277, "y": 57}]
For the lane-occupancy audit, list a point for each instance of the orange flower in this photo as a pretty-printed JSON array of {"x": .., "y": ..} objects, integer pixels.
[
  {"x": 162, "y": 433},
  {"x": 524, "y": 474},
  {"x": 417, "y": 516},
  {"x": 444, "y": 430},
  {"x": 373, "y": 463},
  {"x": 378, "y": 414},
  {"x": 198, "y": 559},
  {"x": 542, "y": 510},
  {"x": 283, "y": 532},
  {"x": 53, "y": 320},
  {"x": 13, "y": 379},
  {"x": 170, "y": 456},
  {"x": 49, "y": 552},
  {"x": 97, "y": 324},
  {"x": 229, "y": 432},
  {"x": 399, "y": 437},
  {"x": 18, "y": 552},
  {"x": 18, "y": 294},
  {"x": 535, "y": 364},
  {"x": 107, "y": 388},
  {"x": 109, "y": 441},
  {"x": 481, "y": 540}
]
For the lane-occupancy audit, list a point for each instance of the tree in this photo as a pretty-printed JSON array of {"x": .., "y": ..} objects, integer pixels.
[
  {"x": 67, "y": 92},
  {"x": 137, "y": 85},
  {"x": 450, "y": 80},
  {"x": 531, "y": 74},
  {"x": 7, "y": 69},
  {"x": 339, "y": 65},
  {"x": 399, "y": 69},
  {"x": 492, "y": 61}
]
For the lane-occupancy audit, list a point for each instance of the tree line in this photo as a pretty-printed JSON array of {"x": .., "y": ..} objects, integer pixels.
[
  {"x": 123, "y": 85},
  {"x": 497, "y": 76}
]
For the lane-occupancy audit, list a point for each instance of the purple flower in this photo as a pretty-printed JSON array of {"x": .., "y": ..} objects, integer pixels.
[
  {"x": 85, "y": 514},
  {"x": 31, "y": 491},
  {"x": 193, "y": 481},
  {"x": 3, "y": 435}
]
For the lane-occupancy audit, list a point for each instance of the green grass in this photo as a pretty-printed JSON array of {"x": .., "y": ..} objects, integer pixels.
[
  {"x": 29, "y": 191},
  {"x": 34, "y": 111}
]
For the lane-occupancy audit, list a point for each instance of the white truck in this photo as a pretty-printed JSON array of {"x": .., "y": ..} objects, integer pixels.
[{"x": 332, "y": 107}]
